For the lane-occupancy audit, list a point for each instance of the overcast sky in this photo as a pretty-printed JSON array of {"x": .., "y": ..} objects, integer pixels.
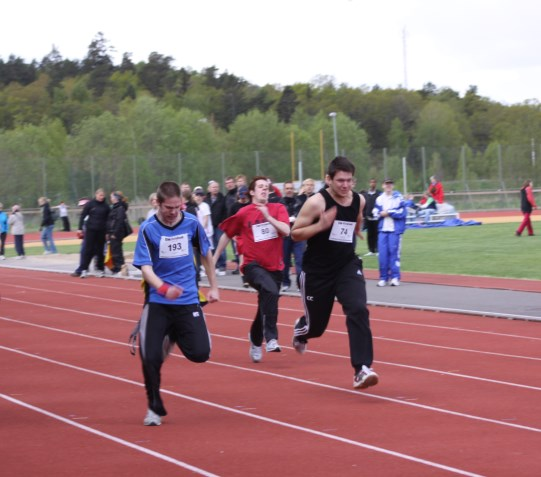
[{"x": 494, "y": 45}]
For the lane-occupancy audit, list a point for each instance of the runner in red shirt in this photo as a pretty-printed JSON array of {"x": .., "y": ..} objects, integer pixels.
[{"x": 261, "y": 226}]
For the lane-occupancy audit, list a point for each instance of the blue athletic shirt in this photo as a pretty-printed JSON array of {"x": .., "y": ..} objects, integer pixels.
[{"x": 170, "y": 252}]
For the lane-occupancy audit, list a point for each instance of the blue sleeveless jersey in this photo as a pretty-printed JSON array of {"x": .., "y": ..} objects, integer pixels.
[{"x": 170, "y": 252}]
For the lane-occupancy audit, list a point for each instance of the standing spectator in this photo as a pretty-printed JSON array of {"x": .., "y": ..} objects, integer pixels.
[
  {"x": 216, "y": 200},
  {"x": 527, "y": 204},
  {"x": 203, "y": 212},
  {"x": 47, "y": 226},
  {"x": 164, "y": 253},
  {"x": 94, "y": 221},
  {"x": 293, "y": 205},
  {"x": 3, "y": 231},
  {"x": 153, "y": 205},
  {"x": 391, "y": 211},
  {"x": 370, "y": 222},
  {"x": 261, "y": 225},
  {"x": 243, "y": 199},
  {"x": 190, "y": 205},
  {"x": 240, "y": 180},
  {"x": 274, "y": 193},
  {"x": 329, "y": 221},
  {"x": 116, "y": 231},
  {"x": 81, "y": 235},
  {"x": 435, "y": 190},
  {"x": 63, "y": 212},
  {"x": 16, "y": 222},
  {"x": 230, "y": 195},
  {"x": 307, "y": 190}
]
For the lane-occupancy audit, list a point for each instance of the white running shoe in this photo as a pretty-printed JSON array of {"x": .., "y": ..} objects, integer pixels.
[
  {"x": 100, "y": 273},
  {"x": 221, "y": 273},
  {"x": 395, "y": 282},
  {"x": 365, "y": 378},
  {"x": 382, "y": 283},
  {"x": 2, "y": 257},
  {"x": 152, "y": 419},
  {"x": 273, "y": 346},
  {"x": 83, "y": 274},
  {"x": 284, "y": 288},
  {"x": 256, "y": 352}
]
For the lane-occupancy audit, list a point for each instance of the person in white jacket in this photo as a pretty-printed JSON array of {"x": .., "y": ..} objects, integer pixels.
[{"x": 16, "y": 223}]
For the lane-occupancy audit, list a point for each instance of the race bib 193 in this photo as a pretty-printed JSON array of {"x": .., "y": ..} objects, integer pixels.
[
  {"x": 342, "y": 231},
  {"x": 264, "y": 231},
  {"x": 174, "y": 247}
]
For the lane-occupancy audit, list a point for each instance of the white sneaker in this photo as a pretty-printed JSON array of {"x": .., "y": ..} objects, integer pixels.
[
  {"x": 152, "y": 419},
  {"x": 382, "y": 283},
  {"x": 221, "y": 273},
  {"x": 256, "y": 352},
  {"x": 2, "y": 257},
  {"x": 368, "y": 254},
  {"x": 100, "y": 273},
  {"x": 273, "y": 346},
  {"x": 83, "y": 274},
  {"x": 365, "y": 378},
  {"x": 19, "y": 257},
  {"x": 395, "y": 282},
  {"x": 284, "y": 288}
]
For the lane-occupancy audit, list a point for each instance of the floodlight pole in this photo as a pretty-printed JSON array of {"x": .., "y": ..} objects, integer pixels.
[{"x": 333, "y": 117}]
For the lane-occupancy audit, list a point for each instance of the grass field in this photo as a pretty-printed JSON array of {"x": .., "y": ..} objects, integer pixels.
[{"x": 485, "y": 250}]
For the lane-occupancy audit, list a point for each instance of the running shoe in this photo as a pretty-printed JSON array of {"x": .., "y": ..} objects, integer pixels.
[
  {"x": 382, "y": 283},
  {"x": 299, "y": 346},
  {"x": 273, "y": 346},
  {"x": 395, "y": 282},
  {"x": 365, "y": 378},
  {"x": 83, "y": 274},
  {"x": 256, "y": 352},
  {"x": 152, "y": 419}
]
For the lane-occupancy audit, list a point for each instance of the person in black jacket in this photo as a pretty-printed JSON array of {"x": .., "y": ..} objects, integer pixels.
[
  {"x": 370, "y": 223},
  {"x": 218, "y": 213},
  {"x": 94, "y": 221},
  {"x": 116, "y": 231},
  {"x": 46, "y": 226}
]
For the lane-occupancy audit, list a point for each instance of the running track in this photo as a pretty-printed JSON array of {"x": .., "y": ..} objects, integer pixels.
[{"x": 459, "y": 395}]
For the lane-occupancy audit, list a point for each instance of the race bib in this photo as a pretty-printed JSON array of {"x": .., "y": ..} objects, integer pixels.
[
  {"x": 342, "y": 231},
  {"x": 264, "y": 231},
  {"x": 174, "y": 247}
]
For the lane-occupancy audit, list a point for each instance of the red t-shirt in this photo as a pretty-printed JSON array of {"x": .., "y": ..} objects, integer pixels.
[{"x": 260, "y": 240}]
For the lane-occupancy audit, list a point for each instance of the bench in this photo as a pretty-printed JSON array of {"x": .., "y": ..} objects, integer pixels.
[{"x": 436, "y": 218}]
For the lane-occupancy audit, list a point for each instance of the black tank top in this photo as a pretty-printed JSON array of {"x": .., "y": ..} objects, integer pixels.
[{"x": 328, "y": 251}]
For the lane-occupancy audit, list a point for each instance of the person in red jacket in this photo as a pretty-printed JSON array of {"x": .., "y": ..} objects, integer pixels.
[
  {"x": 527, "y": 204},
  {"x": 435, "y": 190}
]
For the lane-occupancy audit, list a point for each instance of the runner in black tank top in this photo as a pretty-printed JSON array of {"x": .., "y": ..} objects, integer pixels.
[{"x": 330, "y": 221}]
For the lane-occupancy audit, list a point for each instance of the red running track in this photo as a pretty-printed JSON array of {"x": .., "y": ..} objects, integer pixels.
[{"x": 458, "y": 394}]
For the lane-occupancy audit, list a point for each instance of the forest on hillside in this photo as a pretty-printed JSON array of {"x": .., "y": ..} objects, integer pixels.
[{"x": 69, "y": 126}]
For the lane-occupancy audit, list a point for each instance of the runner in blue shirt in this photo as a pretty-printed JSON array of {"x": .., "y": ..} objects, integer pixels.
[{"x": 164, "y": 252}]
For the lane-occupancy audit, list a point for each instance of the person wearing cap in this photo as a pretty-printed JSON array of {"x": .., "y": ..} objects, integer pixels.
[
  {"x": 261, "y": 226},
  {"x": 330, "y": 221},
  {"x": 391, "y": 211}
]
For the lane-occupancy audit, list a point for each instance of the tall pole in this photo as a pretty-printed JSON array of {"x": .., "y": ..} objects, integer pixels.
[{"x": 333, "y": 117}]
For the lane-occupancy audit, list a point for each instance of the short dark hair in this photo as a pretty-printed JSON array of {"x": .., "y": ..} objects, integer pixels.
[
  {"x": 166, "y": 190},
  {"x": 340, "y": 163},
  {"x": 255, "y": 179}
]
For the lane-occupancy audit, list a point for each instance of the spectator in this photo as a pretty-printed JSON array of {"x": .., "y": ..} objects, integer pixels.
[
  {"x": 82, "y": 202},
  {"x": 3, "y": 231},
  {"x": 216, "y": 200},
  {"x": 203, "y": 212},
  {"x": 426, "y": 207},
  {"x": 94, "y": 221},
  {"x": 370, "y": 222},
  {"x": 274, "y": 193},
  {"x": 240, "y": 180},
  {"x": 152, "y": 200},
  {"x": 16, "y": 222},
  {"x": 435, "y": 190},
  {"x": 243, "y": 199},
  {"x": 63, "y": 212},
  {"x": 47, "y": 226},
  {"x": 527, "y": 204},
  {"x": 390, "y": 209},
  {"x": 230, "y": 195},
  {"x": 116, "y": 231},
  {"x": 293, "y": 205},
  {"x": 190, "y": 205},
  {"x": 261, "y": 225}
]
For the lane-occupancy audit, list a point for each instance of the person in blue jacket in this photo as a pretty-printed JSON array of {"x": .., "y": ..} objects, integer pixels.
[{"x": 391, "y": 211}]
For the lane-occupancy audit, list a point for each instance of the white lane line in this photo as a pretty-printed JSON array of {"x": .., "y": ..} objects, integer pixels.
[
  {"x": 318, "y": 384},
  {"x": 286, "y": 425},
  {"x": 109, "y": 437}
]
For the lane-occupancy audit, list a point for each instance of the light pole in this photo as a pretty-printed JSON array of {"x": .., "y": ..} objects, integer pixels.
[{"x": 333, "y": 117}]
